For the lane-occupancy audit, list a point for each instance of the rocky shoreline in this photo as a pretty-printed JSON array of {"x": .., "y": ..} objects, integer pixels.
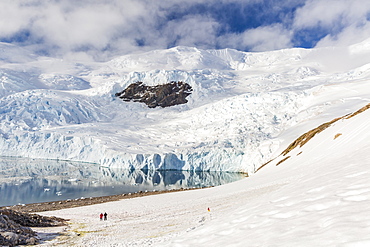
[
  {"x": 57, "y": 205},
  {"x": 16, "y": 221},
  {"x": 15, "y": 227}
]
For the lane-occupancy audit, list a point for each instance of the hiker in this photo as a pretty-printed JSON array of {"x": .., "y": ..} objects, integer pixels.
[
  {"x": 105, "y": 216},
  {"x": 101, "y": 216}
]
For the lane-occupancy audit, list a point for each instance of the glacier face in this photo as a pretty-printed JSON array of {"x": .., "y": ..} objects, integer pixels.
[
  {"x": 24, "y": 180},
  {"x": 241, "y": 104}
]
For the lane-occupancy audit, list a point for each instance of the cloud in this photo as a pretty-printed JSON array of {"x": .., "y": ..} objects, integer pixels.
[
  {"x": 349, "y": 35},
  {"x": 194, "y": 30},
  {"x": 93, "y": 26},
  {"x": 67, "y": 26},
  {"x": 331, "y": 13},
  {"x": 266, "y": 38},
  {"x": 100, "y": 29},
  {"x": 13, "y": 18},
  {"x": 341, "y": 22}
]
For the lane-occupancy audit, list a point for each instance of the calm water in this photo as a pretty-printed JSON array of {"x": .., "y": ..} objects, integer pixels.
[{"x": 25, "y": 181}]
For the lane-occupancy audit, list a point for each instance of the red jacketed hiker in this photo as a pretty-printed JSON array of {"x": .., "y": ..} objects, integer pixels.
[{"x": 101, "y": 216}]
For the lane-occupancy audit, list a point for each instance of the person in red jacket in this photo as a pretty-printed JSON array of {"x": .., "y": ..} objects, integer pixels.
[{"x": 101, "y": 216}]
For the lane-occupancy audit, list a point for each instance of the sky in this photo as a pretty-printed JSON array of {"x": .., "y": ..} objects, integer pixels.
[{"x": 101, "y": 29}]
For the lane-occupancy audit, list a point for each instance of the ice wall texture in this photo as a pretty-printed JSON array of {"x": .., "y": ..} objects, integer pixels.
[{"x": 241, "y": 105}]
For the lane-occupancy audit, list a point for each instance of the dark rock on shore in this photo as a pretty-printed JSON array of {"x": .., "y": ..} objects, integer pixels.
[
  {"x": 57, "y": 205},
  {"x": 15, "y": 227},
  {"x": 165, "y": 95},
  {"x": 31, "y": 220}
]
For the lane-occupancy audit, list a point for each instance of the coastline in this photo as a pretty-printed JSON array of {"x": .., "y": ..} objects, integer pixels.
[{"x": 80, "y": 202}]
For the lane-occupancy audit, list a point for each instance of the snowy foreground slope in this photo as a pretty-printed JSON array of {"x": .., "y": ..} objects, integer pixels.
[
  {"x": 234, "y": 120},
  {"x": 320, "y": 196}
]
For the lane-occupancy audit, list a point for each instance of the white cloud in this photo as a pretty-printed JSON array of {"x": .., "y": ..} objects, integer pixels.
[
  {"x": 319, "y": 13},
  {"x": 69, "y": 25},
  {"x": 72, "y": 27},
  {"x": 13, "y": 18},
  {"x": 100, "y": 28},
  {"x": 346, "y": 21},
  {"x": 271, "y": 37},
  {"x": 349, "y": 35},
  {"x": 192, "y": 31}
]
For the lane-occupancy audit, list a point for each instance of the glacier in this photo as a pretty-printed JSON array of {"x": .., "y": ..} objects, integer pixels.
[
  {"x": 238, "y": 116},
  {"x": 24, "y": 180}
]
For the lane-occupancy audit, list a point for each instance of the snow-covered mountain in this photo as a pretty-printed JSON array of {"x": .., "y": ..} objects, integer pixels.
[{"x": 245, "y": 108}]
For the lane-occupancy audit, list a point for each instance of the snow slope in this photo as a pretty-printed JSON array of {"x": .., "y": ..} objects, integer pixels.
[
  {"x": 317, "y": 198},
  {"x": 241, "y": 104}
]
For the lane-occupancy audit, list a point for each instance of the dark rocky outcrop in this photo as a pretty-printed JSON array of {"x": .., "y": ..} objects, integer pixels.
[
  {"x": 31, "y": 220},
  {"x": 165, "y": 95},
  {"x": 15, "y": 227},
  {"x": 13, "y": 234}
]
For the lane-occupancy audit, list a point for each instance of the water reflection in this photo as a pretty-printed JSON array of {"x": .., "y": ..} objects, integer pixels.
[{"x": 25, "y": 181}]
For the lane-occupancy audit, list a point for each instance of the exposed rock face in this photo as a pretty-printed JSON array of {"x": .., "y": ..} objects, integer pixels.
[
  {"x": 14, "y": 227},
  {"x": 170, "y": 94}
]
